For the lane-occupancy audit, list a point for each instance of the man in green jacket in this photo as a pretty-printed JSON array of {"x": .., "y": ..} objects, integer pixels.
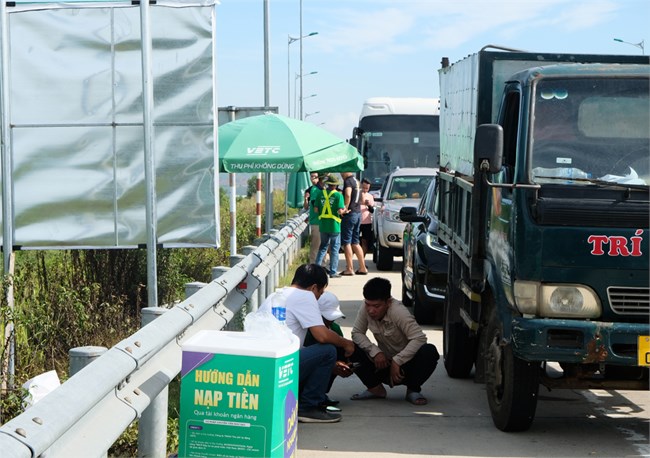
[{"x": 329, "y": 205}]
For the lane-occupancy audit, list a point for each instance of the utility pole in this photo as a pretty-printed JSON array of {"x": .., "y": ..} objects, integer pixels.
[{"x": 269, "y": 185}]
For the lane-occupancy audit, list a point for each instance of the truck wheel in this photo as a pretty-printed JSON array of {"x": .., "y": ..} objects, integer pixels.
[
  {"x": 511, "y": 383},
  {"x": 384, "y": 258},
  {"x": 459, "y": 344}
]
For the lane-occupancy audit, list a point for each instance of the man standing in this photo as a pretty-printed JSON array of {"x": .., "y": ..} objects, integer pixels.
[
  {"x": 367, "y": 209},
  {"x": 401, "y": 356},
  {"x": 316, "y": 361},
  {"x": 351, "y": 225},
  {"x": 330, "y": 207},
  {"x": 317, "y": 183}
]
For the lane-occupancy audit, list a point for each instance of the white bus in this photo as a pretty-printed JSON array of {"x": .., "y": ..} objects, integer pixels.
[{"x": 397, "y": 132}]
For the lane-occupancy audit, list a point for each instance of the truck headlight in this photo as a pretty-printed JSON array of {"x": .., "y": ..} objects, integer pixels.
[{"x": 556, "y": 300}]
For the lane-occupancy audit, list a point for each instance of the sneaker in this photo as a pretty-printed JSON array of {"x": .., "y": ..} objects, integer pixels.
[
  {"x": 330, "y": 402},
  {"x": 335, "y": 275},
  {"x": 316, "y": 415}
]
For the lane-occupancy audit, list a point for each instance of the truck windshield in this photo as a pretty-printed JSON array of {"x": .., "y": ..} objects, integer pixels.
[
  {"x": 591, "y": 129},
  {"x": 392, "y": 141}
]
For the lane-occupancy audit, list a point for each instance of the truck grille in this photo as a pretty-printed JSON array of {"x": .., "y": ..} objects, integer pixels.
[{"x": 629, "y": 301}]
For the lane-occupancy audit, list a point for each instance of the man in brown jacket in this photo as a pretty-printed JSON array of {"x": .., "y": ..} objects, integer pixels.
[{"x": 401, "y": 356}]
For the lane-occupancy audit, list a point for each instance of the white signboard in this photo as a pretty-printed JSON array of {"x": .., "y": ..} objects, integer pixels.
[{"x": 76, "y": 117}]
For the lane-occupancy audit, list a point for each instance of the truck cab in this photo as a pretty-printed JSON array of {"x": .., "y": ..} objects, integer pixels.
[{"x": 548, "y": 231}]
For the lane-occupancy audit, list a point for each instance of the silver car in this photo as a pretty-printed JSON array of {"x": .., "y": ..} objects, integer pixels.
[{"x": 402, "y": 188}]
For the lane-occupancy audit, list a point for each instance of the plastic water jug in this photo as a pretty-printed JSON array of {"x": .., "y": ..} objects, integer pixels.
[{"x": 279, "y": 305}]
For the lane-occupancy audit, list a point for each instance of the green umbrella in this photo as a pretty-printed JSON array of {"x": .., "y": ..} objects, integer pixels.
[
  {"x": 296, "y": 187},
  {"x": 275, "y": 143}
]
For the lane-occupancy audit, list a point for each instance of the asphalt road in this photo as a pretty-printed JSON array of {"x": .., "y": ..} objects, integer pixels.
[{"x": 456, "y": 422}]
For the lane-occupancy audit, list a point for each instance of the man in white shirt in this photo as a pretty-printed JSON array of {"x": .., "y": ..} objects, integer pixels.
[{"x": 316, "y": 361}]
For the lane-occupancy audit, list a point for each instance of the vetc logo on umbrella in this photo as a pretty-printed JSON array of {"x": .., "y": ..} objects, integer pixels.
[{"x": 263, "y": 150}]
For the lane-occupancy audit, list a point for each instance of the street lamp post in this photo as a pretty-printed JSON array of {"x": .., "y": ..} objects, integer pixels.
[
  {"x": 638, "y": 45},
  {"x": 290, "y": 40},
  {"x": 300, "y": 60},
  {"x": 295, "y": 92}
]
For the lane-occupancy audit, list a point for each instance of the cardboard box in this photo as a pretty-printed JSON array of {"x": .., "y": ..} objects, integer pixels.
[{"x": 239, "y": 395}]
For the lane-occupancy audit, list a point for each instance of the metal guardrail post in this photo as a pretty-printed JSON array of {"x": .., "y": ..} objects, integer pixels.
[
  {"x": 193, "y": 287},
  {"x": 262, "y": 291},
  {"x": 253, "y": 302},
  {"x": 152, "y": 427},
  {"x": 79, "y": 358},
  {"x": 216, "y": 273},
  {"x": 235, "y": 259},
  {"x": 239, "y": 322},
  {"x": 275, "y": 272},
  {"x": 219, "y": 271}
]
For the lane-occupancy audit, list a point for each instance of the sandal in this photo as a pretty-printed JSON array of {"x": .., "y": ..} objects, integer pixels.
[
  {"x": 358, "y": 272},
  {"x": 416, "y": 398},
  {"x": 365, "y": 395}
]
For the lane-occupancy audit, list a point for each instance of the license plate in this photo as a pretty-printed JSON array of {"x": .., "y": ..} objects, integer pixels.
[{"x": 644, "y": 351}]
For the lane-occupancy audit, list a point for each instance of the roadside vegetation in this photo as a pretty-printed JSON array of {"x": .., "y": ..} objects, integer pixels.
[{"x": 70, "y": 298}]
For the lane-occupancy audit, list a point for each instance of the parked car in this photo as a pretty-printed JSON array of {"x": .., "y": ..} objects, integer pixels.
[
  {"x": 424, "y": 266},
  {"x": 403, "y": 187}
]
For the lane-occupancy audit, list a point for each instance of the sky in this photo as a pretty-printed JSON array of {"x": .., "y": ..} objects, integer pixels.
[{"x": 376, "y": 48}]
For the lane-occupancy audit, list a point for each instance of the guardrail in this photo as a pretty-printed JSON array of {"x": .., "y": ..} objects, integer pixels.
[{"x": 87, "y": 413}]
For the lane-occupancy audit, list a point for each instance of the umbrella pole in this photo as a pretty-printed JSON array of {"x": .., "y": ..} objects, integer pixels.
[
  {"x": 233, "y": 214},
  {"x": 258, "y": 206},
  {"x": 286, "y": 197}
]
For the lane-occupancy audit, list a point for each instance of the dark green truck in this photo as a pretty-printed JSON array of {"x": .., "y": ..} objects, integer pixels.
[{"x": 543, "y": 203}]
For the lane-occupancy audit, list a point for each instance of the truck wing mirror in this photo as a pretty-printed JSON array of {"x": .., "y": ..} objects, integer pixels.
[{"x": 488, "y": 147}]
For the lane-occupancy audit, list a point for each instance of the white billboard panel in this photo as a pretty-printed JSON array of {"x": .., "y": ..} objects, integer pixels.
[{"x": 76, "y": 126}]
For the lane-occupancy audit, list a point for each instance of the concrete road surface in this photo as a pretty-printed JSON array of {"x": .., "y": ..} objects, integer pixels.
[{"x": 456, "y": 422}]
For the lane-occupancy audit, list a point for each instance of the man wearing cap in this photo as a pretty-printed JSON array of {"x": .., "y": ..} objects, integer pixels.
[
  {"x": 330, "y": 310},
  {"x": 330, "y": 207},
  {"x": 317, "y": 184}
]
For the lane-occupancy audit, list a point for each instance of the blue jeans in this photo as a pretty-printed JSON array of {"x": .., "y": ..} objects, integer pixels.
[
  {"x": 350, "y": 228},
  {"x": 314, "y": 371},
  {"x": 334, "y": 242}
]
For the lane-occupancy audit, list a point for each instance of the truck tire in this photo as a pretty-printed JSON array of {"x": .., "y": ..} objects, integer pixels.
[
  {"x": 384, "y": 258},
  {"x": 459, "y": 344},
  {"x": 511, "y": 384}
]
